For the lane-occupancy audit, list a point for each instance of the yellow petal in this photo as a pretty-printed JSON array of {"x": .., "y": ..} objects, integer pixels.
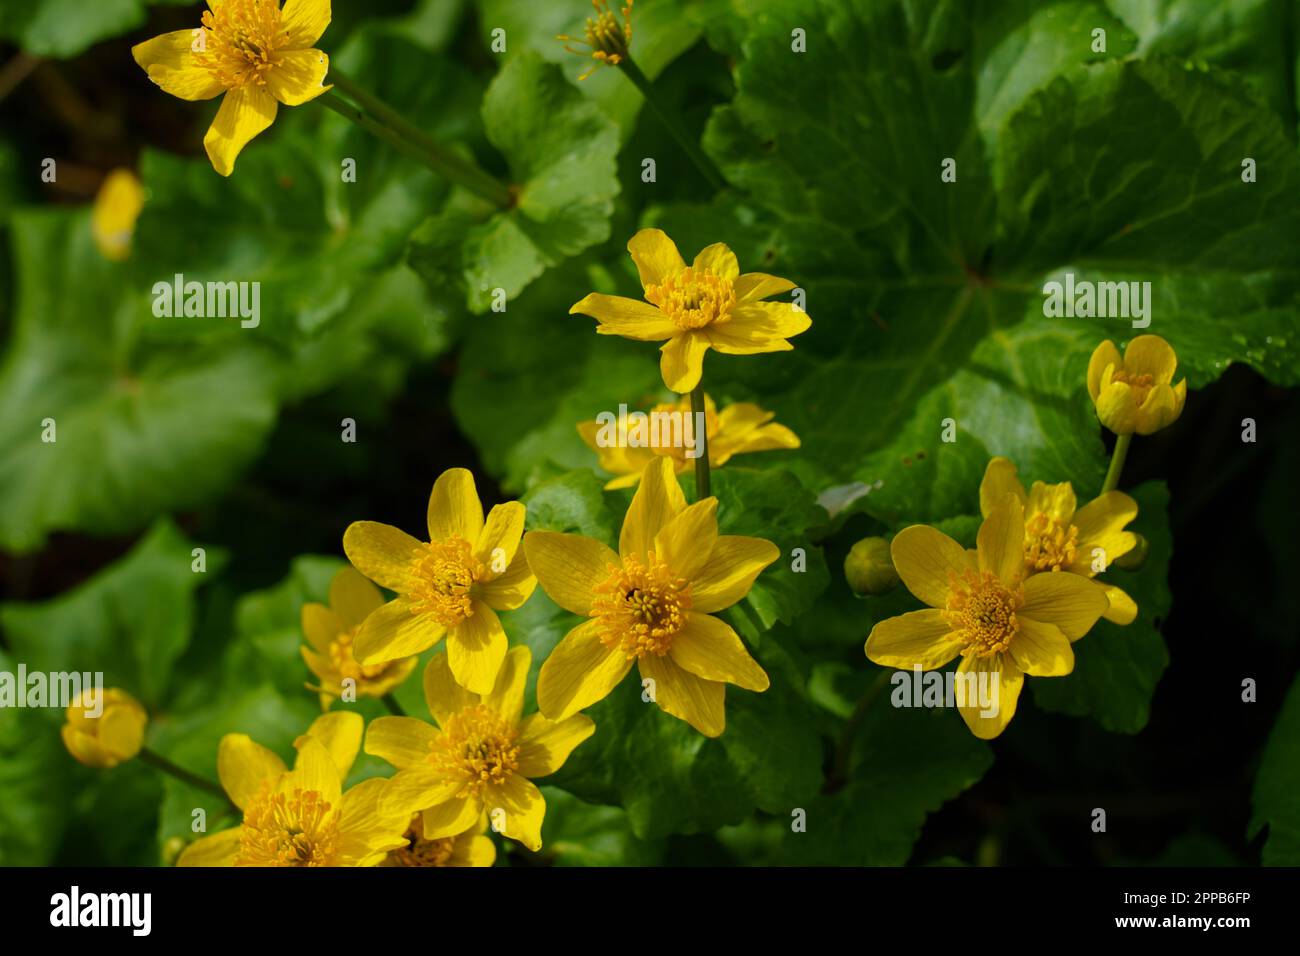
[
  {"x": 655, "y": 255},
  {"x": 629, "y": 318},
  {"x": 315, "y": 770},
  {"x": 340, "y": 733},
  {"x": 1123, "y": 609},
  {"x": 507, "y": 591},
  {"x": 999, "y": 481},
  {"x": 244, "y": 113},
  {"x": 243, "y": 765},
  {"x": 219, "y": 849},
  {"x": 918, "y": 638},
  {"x": 1100, "y": 524},
  {"x": 1103, "y": 357},
  {"x": 454, "y": 507},
  {"x": 681, "y": 360},
  {"x": 678, "y": 692},
  {"x": 1071, "y": 602},
  {"x": 686, "y": 542},
  {"x": 657, "y": 501},
  {"x": 1009, "y": 679},
  {"x": 1161, "y": 408},
  {"x": 298, "y": 76},
  {"x": 923, "y": 557},
  {"x": 305, "y": 20},
  {"x": 169, "y": 61},
  {"x": 709, "y": 648},
  {"x": 569, "y": 566},
  {"x": 381, "y": 552},
  {"x": 1041, "y": 650},
  {"x": 393, "y": 632},
  {"x": 728, "y": 575},
  {"x": 1117, "y": 407},
  {"x": 352, "y": 597},
  {"x": 475, "y": 649},
  {"x": 1056, "y": 500},
  {"x": 499, "y": 539},
  {"x": 507, "y": 696},
  {"x": 719, "y": 260},
  {"x": 1001, "y": 541},
  {"x": 578, "y": 672},
  {"x": 451, "y": 817},
  {"x": 758, "y": 327},
  {"x": 544, "y": 744},
  {"x": 402, "y": 741},
  {"x": 1151, "y": 355},
  {"x": 524, "y": 807},
  {"x": 416, "y": 789},
  {"x": 481, "y": 852},
  {"x": 753, "y": 286},
  {"x": 442, "y": 694},
  {"x": 320, "y": 626}
]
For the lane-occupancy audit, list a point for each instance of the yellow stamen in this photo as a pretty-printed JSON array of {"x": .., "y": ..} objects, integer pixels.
[
  {"x": 982, "y": 612},
  {"x": 694, "y": 299},
  {"x": 1140, "y": 384},
  {"x": 608, "y": 37},
  {"x": 422, "y": 852},
  {"x": 297, "y": 829},
  {"x": 641, "y": 608},
  {"x": 1050, "y": 544},
  {"x": 442, "y": 579},
  {"x": 479, "y": 746},
  {"x": 345, "y": 664},
  {"x": 240, "y": 40}
]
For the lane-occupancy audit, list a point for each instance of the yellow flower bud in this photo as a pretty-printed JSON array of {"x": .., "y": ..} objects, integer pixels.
[
  {"x": 1134, "y": 393},
  {"x": 869, "y": 568},
  {"x": 117, "y": 207},
  {"x": 104, "y": 730}
]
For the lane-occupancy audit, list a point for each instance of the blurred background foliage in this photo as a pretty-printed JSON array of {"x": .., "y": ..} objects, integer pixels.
[{"x": 183, "y": 433}]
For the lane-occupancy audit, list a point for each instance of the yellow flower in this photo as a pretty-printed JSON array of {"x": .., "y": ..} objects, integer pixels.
[
  {"x": 300, "y": 817},
  {"x": 480, "y": 758},
  {"x": 1133, "y": 393},
  {"x": 652, "y": 603},
  {"x": 983, "y": 608},
  {"x": 111, "y": 733},
  {"x": 737, "y": 430},
  {"x": 453, "y": 585},
  {"x": 117, "y": 207},
  {"x": 1059, "y": 536},
  {"x": 707, "y": 304},
  {"x": 330, "y": 632},
  {"x": 252, "y": 51},
  {"x": 470, "y": 848},
  {"x": 608, "y": 38}
]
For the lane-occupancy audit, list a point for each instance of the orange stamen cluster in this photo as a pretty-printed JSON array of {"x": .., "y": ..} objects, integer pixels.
[
  {"x": 608, "y": 37},
  {"x": 693, "y": 299},
  {"x": 239, "y": 42},
  {"x": 345, "y": 663},
  {"x": 442, "y": 579},
  {"x": 478, "y": 746},
  {"x": 982, "y": 612},
  {"x": 1050, "y": 543},
  {"x": 1140, "y": 384},
  {"x": 422, "y": 852},
  {"x": 297, "y": 829},
  {"x": 641, "y": 608}
]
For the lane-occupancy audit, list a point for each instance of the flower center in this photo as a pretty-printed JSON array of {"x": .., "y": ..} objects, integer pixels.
[
  {"x": 442, "y": 581},
  {"x": 295, "y": 829},
  {"x": 693, "y": 300},
  {"x": 478, "y": 745},
  {"x": 1050, "y": 543},
  {"x": 421, "y": 852},
  {"x": 346, "y": 665},
  {"x": 982, "y": 611},
  {"x": 641, "y": 608},
  {"x": 239, "y": 41},
  {"x": 605, "y": 34},
  {"x": 1140, "y": 384}
]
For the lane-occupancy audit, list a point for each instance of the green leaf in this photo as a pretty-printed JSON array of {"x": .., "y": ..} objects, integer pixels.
[
  {"x": 1274, "y": 804},
  {"x": 131, "y": 621},
  {"x": 574, "y": 504},
  {"x": 64, "y": 28},
  {"x": 561, "y": 152},
  {"x": 578, "y": 834}
]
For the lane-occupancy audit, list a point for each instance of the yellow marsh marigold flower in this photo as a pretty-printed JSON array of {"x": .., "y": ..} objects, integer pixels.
[
  {"x": 737, "y": 430},
  {"x": 470, "y": 848},
  {"x": 330, "y": 632},
  {"x": 651, "y": 604},
  {"x": 117, "y": 207},
  {"x": 300, "y": 817},
  {"x": 113, "y": 737},
  {"x": 608, "y": 38},
  {"x": 453, "y": 585},
  {"x": 252, "y": 51},
  {"x": 480, "y": 758},
  {"x": 983, "y": 608},
  {"x": 1059, "y": 536},
  {"x": 707, "y": 304},
  {"x": 1134, "y": 393}
]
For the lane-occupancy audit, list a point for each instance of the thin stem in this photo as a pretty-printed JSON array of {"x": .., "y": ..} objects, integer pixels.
[
  {"x": 378, "y": 118},
  {"x": 391, "y": 703},
  {"x": 684, "y": 139},
  {"x": 159, "y": 762},
  {"x": 1116, "y": 462},
  {"x": 839, "y": 774},
  {"x": 698, "y": 416}
]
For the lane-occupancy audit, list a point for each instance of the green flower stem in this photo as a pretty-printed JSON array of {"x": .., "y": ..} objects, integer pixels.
[
  {"x": 381, "y": 120},
  {"x": 1116, "y": 462},
  {"x": 702, "y": 444},
  {"x": 391, "y": 703},
  {"x": 161, "y": 763},
  {"x": 684, "y": 139}
]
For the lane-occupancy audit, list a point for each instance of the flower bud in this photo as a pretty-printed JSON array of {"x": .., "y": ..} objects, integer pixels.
[
  {"x": 1135, "y": 392},
  {"x": 104, "y": 728},
  {"x": 869, "y": 569}
]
